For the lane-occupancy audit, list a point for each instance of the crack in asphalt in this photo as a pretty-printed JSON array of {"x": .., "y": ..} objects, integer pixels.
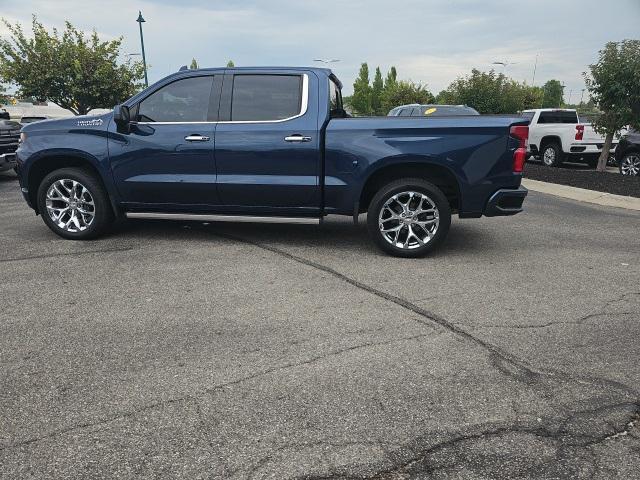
[
  {"x": 65, "y": 254},
  {"x": 578, "y": 321},
  {"x": 508, "y": 363},
  {"x": 427, "y": 315},
  {"x": 419, "y": 462},
  {"x": 193, "y": 396}
]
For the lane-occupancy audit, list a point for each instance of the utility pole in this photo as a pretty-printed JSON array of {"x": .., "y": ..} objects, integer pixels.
[
  {"x": 535, "y": 66},
  {"x": 140, "y": 21}
]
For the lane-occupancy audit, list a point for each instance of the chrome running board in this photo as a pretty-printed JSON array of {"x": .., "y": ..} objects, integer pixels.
[{"x": 197, "y": 217}]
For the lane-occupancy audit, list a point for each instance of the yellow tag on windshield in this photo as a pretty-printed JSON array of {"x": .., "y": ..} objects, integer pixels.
[{"x": 429, "y": 111}]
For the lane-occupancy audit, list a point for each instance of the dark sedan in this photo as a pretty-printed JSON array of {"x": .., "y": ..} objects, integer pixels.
[{"x": 628, "y": 153}]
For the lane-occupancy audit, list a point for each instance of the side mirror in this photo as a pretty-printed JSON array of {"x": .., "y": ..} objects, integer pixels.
[{"x": 122, "y": 117}]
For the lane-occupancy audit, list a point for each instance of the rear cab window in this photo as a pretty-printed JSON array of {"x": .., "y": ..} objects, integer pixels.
[
  {"x": 558, "y": 116},
  {"x": 266, "y": 97}
]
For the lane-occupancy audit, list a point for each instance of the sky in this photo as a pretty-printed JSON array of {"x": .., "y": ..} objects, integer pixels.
[{"x": 429, "y": 41}]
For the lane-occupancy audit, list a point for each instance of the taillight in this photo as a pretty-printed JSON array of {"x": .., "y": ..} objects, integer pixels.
[
  {"x": 520, "y": 133},
  {"x": 579, "y": 132}
]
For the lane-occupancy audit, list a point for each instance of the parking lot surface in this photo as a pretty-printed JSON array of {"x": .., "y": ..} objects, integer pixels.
[{"x": 186, "y": 350}]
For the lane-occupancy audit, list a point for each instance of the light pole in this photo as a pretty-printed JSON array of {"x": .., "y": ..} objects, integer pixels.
[
  {"x": 140, "y": 21},
  {"x": 535, "y": 66},
  {"x": 581, "y": 95}
]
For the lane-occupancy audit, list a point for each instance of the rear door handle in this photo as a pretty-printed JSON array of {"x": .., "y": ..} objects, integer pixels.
[
  {"x": 297, "y": 138},
  {"x": 196, "y": 138}
]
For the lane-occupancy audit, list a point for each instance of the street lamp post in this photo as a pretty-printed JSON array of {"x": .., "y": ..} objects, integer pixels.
[
  {"x": 535, "y": 67},
  {"x": 140, "y": 21}
]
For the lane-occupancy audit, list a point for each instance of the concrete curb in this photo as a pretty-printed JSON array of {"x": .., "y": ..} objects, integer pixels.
[{"x": 583, "y": 195}]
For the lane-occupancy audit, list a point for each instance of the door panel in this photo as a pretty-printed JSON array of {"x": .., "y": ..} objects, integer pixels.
[
  {"x": 263, "y": 162},
  {"x": 154, "y": 164},
  {"x": 167, "y": 156}
]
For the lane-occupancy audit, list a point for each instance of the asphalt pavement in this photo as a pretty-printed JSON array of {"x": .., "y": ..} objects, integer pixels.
[{"x": 190, "y": 350}]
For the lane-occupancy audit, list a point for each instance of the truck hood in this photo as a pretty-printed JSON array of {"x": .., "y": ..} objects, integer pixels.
[{"x": 98, "y": 122}]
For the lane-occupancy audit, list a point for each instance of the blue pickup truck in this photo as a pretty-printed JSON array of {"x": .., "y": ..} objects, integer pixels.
[{"x": 270, "y": 145}]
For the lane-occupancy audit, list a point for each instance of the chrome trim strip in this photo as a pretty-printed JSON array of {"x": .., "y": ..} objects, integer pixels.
[
  {"x": 222, "y": 218},
  {"x": 303, "y": 109}
]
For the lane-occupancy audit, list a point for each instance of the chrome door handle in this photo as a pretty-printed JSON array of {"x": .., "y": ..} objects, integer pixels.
[
  {"x": 196, "y": 138},
  {"x": 297, "y": 138}
]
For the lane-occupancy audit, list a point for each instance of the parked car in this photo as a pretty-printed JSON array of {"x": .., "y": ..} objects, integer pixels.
[
  {"x": 9, "y": 137},
  {"x": 4, "y": 115},
  {"x": 416, "y": 110},
  {"x": 270, "y": 145},
  {"x": 31, "y": 119},
  {"x": 628, "y": 153},
  {"x": 556, "y": 135}
]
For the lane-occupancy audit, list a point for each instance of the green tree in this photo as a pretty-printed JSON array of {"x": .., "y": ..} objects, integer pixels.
[
  {"x": 614, "y": 85},
  {"x": 75, "y": 71},
  {"x": 361, "y": 98},
  {"x": 4, "y": 97},
  {"x": 489, "y": 92},
  {"x": 552, "y": 97},
  {"x": 194, "y": 64},
  {"x": 230, "y": 64},
  {"x": 377, "y": 89},
  {"x": 392, "y": 77},
  {"x": 405, "y": 92}
]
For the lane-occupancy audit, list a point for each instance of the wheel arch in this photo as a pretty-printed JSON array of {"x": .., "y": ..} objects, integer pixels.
[
  {"x": 547, "y": 139},
  {"x": 417, "y": 167},
  {"x": 47, "y": 163}
]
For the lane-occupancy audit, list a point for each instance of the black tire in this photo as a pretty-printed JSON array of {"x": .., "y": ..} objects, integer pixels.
[
  {"x": 102, "y": 211},
  {"x": 555, "y": 156},
  {"x": 433, "y": 195}
]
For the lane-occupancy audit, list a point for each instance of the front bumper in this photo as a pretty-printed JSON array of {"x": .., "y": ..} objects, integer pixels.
[
  {"x": 506, "y": 201},
  {"x": 7, "y": 161}
]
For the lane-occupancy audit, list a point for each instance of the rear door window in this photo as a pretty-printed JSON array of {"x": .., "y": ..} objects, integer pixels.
[{"x": 266, "y": 97}]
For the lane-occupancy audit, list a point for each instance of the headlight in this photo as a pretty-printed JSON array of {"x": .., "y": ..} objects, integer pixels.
[{"x": 23, "y": 137}]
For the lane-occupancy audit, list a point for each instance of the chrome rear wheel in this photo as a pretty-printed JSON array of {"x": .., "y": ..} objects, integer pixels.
[{"x": 409, "y": 220}]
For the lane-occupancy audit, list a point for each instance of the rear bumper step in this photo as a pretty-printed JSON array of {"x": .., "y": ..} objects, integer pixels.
[
  {"x": 197, "y": 217},
  {"x": 506, "y": 202}
]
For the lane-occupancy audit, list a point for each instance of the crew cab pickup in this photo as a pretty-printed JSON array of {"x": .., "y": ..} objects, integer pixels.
[
  {"x": 270, "y": 145},
  {"x": 556, "y": 135}
]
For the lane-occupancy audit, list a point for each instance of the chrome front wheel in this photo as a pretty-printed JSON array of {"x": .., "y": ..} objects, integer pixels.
[
  {"x": 70, "y": 205},
  {"x": 74, "y": 203},
  {"x": 630, "y": 164}
]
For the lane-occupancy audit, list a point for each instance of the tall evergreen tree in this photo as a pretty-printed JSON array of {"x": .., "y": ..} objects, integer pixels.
[
  {"x": 361, "y": 98},
  {"x": 392, "y": 78},
  {"x": 194, "y": 64},
  {"x": 377, "y": 89}
]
